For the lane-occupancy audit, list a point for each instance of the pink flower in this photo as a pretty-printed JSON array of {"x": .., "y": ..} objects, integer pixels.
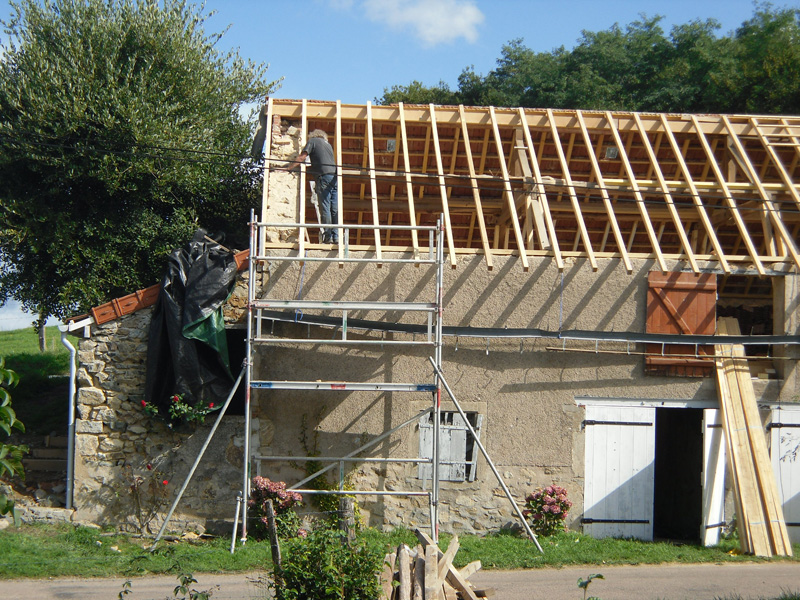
[
  {"x": 144, "y": 404},
  {"x": 149, "y": 467},
  {"x": 210, "y": 405},
  {"x": 176, "y": 398},
  {"x": 165, "y": 482}
]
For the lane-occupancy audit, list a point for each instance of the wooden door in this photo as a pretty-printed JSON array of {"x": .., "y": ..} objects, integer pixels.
[
  {"x": 785, "y": 452},
  {"x": 713, "y": 477},
  {"x": 619, "y": 471}
]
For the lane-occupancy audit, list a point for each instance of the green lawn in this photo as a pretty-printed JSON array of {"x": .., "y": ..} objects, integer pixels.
[{"x": 64, "y": 550}]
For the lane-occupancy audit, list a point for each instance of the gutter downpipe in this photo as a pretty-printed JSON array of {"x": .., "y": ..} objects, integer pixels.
[{"x": 71, "y": 418}]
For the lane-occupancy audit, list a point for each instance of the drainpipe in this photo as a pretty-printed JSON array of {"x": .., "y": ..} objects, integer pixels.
[{"x": 71, "y": 418}]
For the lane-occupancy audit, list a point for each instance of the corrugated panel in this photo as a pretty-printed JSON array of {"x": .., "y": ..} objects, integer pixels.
[{"x": 681, "y": 303}]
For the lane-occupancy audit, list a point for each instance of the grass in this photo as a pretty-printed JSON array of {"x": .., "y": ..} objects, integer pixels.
[
  {"x": 64, "y": 550},
  {"x": 40, "y": 399}
]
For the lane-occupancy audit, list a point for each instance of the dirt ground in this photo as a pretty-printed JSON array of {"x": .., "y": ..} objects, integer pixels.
[{"x": 743, "y": 581}]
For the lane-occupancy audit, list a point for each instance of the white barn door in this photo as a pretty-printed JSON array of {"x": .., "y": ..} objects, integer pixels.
[
  {"x": 619, "y": 471},
  {"x": 785, "y": 452},
  {"x": 713, "y": 477}
]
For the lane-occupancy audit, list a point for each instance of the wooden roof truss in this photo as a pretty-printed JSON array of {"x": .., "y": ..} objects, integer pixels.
[{"x": 715, "y": 192}]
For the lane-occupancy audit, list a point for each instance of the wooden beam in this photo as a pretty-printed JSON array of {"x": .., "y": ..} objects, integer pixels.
[
  {"x": 442, "y": 188},
  {"x": 778, "y": 163},
  {"x": 267, "y": 170},
  {"x": 303, "y": 232},
  {"x": 676, "y": 220},
  {"x": 476, "y": 194},
  {"x": 612, "y": 219},
  {"x": 701, "y": 209},
  {"x": 751, "y": 249},
  {"x": 407, "y": 172},
  {"x": 587, "y": 243},
  {"x": 509, "y": 194},
  {"x": 537, "y": 173},
  {"x": 372, "y": 183},
  {"x": 339, "y": 184},
  {"x": 648, "y": 225},
  {"x": 774, "y": 216}
]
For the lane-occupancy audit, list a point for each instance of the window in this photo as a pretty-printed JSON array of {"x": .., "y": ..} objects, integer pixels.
[
  {"x": 458, "y": 452},
  {"x": 681, "y": 303}
]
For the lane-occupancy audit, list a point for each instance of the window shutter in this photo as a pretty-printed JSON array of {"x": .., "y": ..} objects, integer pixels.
[{"x": 681, "y": 303}]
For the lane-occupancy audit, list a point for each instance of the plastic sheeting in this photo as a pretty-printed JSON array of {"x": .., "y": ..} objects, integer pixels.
[{"x": 187, "y": 351}]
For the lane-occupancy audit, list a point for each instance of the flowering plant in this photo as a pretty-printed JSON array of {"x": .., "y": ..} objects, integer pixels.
[
  {"x": 284, "y": 502},
  {"x": 149, "y": 494},
  {"x": 546, "y": 510}
]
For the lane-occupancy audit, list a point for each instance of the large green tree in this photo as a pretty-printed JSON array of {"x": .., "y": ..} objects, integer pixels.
[
  {"x": 639, "y": 67},
  {"x": 120, "y": 134}
]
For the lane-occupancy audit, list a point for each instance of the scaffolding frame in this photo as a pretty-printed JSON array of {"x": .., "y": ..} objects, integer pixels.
[{"x": 259, "y": 309}]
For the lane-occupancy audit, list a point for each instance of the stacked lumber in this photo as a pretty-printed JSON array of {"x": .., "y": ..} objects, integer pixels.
[
  {"x": 427, "y": 573},
  {"x": 760, "y": 521}
]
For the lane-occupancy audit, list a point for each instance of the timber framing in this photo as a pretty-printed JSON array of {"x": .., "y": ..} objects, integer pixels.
[{"x": 717, "y": 193}]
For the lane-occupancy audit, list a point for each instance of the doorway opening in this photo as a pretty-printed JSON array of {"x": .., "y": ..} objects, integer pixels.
[{"x": 678, "y": 489}]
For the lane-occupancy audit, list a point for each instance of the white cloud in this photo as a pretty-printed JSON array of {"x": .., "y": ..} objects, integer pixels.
[{"x": 432, "y": 21}]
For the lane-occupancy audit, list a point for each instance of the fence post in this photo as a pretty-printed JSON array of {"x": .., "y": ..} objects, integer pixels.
[
  {"x": 276, "y": 549},
  {"x": 347, "y": 519}
]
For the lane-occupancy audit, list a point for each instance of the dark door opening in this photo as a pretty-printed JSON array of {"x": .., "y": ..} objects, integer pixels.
[{"x": 678, "y": 498}]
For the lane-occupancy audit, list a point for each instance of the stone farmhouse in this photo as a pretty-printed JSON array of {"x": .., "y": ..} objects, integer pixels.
[{"x": 562, "y": 271}]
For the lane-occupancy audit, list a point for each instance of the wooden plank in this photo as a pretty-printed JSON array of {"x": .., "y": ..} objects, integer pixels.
[
  {"x": 339, "y": 183},
  {"x": 446, "y": 561},
  {"x": 451, "y": 251},
  {"x": 387, "y": 576},
  {"x": 470, "y": 569},
  {"x": 508, "y": 193},
  {"x": 453, "y": 577},
  {"x": 404, "y": 573},
  {"x": 534, "y": 158},
  {"x": 267, "y": 171},
  {"x": 433, "y": 586},
  {"x": 676, "y": 220},
  {"x": 412, "y": 216},
  {"x": 701, "y": 209},
  {"x": 587, "y": 243},
  {"x": 737, "y": 217},
  {"x": 612, "y": 219},
  {"x": 419, "y": 576},
  {"x": 373, "y": 184},
  {"x": 303, "y": 231},
  {"x": 476, "y": 194},
  {"x": 648, "y": 225},
  {"x": 777, "y": 162}
]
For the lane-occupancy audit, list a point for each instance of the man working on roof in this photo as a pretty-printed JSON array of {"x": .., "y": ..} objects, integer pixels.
[{"x": 323, "y": 166}]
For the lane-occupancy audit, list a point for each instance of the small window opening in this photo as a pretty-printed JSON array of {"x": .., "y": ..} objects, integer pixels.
[{"x": 457, "y": 448}]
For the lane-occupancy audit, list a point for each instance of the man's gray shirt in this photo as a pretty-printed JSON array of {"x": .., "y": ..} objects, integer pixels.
[{"x": 321, "y": 154}]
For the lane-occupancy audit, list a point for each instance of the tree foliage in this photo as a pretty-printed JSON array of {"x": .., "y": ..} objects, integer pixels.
[
  {"x": 10, "y": 455},
  {"x": 120, "y": 135},
  {"x": 755, "y": 69}
]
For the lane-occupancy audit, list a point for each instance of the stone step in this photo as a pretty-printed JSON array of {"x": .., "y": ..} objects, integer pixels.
[
  {"x": 44, "y": 464},
  {"x": 59, "y": 453},
  {"x": 56, "y": 441}
]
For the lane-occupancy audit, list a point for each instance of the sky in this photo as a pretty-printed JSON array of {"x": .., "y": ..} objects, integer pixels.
[{"x": 351, "y": 50}]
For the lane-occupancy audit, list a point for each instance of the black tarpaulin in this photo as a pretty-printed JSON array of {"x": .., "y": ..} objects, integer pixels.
[{"x": 187, "y": 353}]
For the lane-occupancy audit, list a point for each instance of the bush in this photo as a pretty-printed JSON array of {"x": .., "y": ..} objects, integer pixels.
[
  {"x": 324, "y": 567},
  {"x": 284, "y": 503},
  {"x": 546, "y": 510}
]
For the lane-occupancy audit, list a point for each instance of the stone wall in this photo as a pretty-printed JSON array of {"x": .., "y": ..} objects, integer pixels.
[{"x": 123, "y": 457}]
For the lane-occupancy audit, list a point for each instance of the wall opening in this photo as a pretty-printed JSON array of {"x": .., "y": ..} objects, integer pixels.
[
  {"x": 750, "y": 300},
  {"x": 678, "y": 497},
  {"x": 237, "y": 351}
]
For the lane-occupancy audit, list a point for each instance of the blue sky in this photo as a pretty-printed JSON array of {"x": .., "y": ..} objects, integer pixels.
[{"x": 351, "y": 50}]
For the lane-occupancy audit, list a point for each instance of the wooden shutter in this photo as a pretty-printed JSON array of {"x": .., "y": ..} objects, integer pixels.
[
  {"x": 681, "y": 303},
  {"x": 713, "y": 478},
  {"x": 455, "y": 462}
]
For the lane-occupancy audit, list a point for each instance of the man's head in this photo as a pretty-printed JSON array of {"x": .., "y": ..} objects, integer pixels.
[{"x": 318, "y": 133}]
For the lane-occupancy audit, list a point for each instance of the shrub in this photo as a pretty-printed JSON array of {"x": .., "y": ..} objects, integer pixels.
[
  {"x": 546, "y": 510},
  {"x": 323, "y": 567},
  {"x": 284, "y": 503}
]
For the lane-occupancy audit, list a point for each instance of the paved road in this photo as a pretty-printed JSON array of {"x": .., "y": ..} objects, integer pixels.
[{"x": 670, "y": 582}]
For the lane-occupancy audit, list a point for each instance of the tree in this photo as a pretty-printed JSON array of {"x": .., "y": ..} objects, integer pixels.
[
  {"x": 120, "y": 135},
  {"x": 639, "y": 67},
  {"x": 10, "y": 455}
]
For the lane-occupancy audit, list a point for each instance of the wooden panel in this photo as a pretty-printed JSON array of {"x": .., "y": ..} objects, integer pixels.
[
  {"x": 785, "y": 456},
  {"x": 619, "y": 472},
  {"x": 713, "y": 478},
  {"x": 681, "y": 303}
]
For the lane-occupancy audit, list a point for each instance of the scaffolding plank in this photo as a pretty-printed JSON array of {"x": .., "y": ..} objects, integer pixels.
[{"x": 476, "y": 194}]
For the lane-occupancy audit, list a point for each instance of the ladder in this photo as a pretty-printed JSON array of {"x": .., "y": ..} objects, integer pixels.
[{"x": 264, "y": 311}]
